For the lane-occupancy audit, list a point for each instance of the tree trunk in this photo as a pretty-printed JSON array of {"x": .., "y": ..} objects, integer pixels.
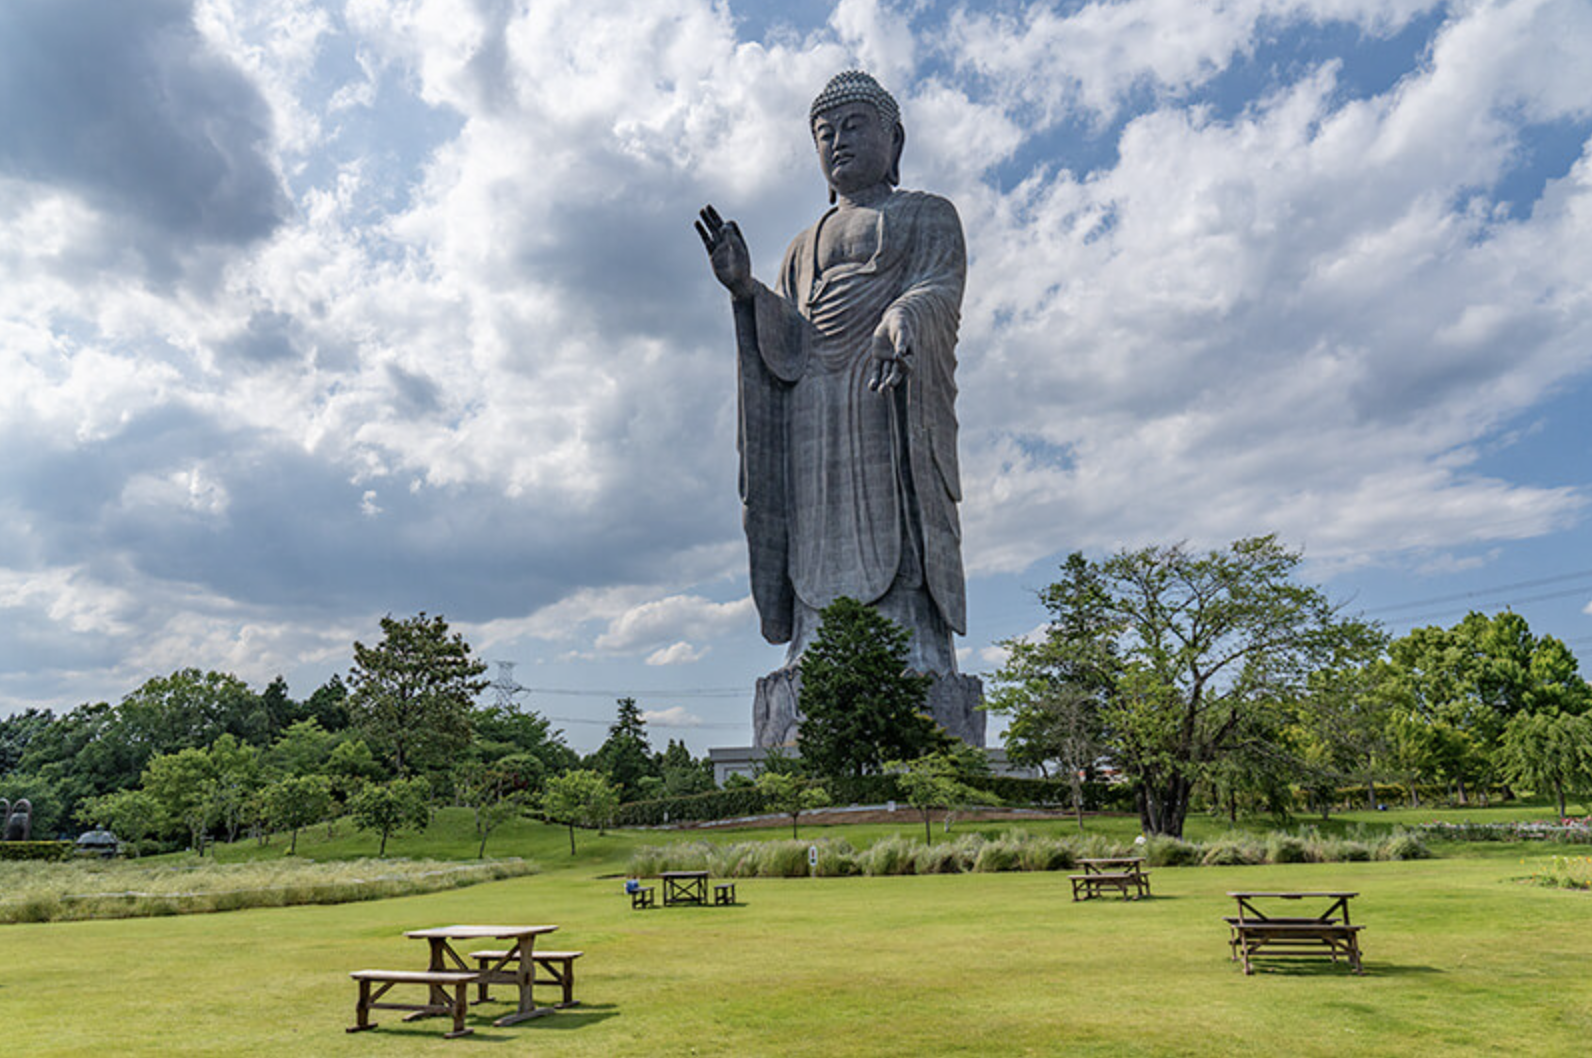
[
  {"x": 572, "y": 839},
  {"x": 1164, "y": 806},
  {"x": 1558, "y": 793},
  {"x": 795, "y": 818},
  {"x": 382, "y": 852},
  {"x": 292, "y": 848},
  {"x": 928, "y": 832},
  {"x": 1370, "y": 794}
]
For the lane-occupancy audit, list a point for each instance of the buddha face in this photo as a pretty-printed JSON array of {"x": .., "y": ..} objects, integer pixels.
[{"x": 855, "y": 149}]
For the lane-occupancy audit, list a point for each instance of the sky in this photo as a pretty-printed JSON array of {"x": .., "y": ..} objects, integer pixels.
[{"x": 313, "y": 311}]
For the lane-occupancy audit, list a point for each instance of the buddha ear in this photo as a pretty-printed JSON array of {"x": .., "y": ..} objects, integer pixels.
[
  {"x": 831, "y": 196},
  {"x": 893, "y": 177}
]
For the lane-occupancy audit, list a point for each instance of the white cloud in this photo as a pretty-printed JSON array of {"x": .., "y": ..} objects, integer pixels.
[
  {"x": 484, "y": 317},
  {"x": 681, "y": 653},
  {"x": 673, "y": 717}
]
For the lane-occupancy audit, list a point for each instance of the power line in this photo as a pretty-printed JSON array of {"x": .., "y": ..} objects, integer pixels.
[{"x": 1498, "y": 590}]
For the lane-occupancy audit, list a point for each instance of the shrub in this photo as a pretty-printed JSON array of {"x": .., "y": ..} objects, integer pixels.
[
  {"x": 837, "y": 859},
  {"x": 782, "y": 859},
  {"x": 48, "y": 851}
]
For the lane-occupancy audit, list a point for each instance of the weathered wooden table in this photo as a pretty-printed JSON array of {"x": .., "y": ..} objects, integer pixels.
[
  {"x": 1125, "y": 874},
  {"x": 684, "y": 887},
  {"x": 1253, "y": 933},
  {"x": 516, "y": 967}
]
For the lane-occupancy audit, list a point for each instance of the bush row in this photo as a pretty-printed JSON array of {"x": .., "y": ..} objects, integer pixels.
[
  {"x": 866, "y": 790},
  {"x": 36, "y": 850},
  {"x": 1013, "y": 850}
]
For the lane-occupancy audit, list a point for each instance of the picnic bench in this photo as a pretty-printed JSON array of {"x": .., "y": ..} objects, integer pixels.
[
  {"x": 516, "y": 966},
  {"x": 1253, "y": 933},
  {"x": 684, "y": 887},
  {"x": 640, "y": 896},
  {"x": 724, "y": 892},
  {"x": 559, "y": 967},
  {"x": 437, "y": 985},
  {"x": 1125, "y": 874}
]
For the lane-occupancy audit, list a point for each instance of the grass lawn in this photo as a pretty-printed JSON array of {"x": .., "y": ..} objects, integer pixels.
[{"x": 1460, "y": 959}]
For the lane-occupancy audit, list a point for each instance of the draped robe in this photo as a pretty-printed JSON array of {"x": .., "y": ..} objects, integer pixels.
[{"x": 847, "y": 491}]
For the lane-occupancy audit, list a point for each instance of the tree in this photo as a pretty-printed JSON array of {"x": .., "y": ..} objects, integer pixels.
[
  {"x": 625, "y": 757},
  {"x": 932, "y": 781},
  {"x": 1549, "y": 752},
  {"x": 580, "y": 798},
  {"x": 302, "y": 749},
  {"x": 508, "y": 731},
  {"x": 412, "y": 693},
  {"x": 131, "y": 815},
  {"x": 1057, "y": 726},
  {"x": 493, "y": 794},
  {"x": 17, "y": 732},
  {"x": 1189, "y": 653},
  {"x": 395, "y": 807},
  {"x": 860, "y": 706},
  {"x": 1457, "y": 689},
  {"x": 684, "y": 775},
  {"x": 237, "y": 778},
  {"x": 790, "y": 794},
  {"x": 297, "y": 801},
  {"x": 183, "y": 785}
]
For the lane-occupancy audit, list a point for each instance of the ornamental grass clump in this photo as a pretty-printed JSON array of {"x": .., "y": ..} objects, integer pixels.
[
  {"x": 1170, "y": 852},
  {"x": 1285, "y": 848},
  {"x": 1046, "y": 854},
  {"x": 1403, "y": 845},
  {"x": 836, "y": 859},
  {"x": 1002, "y": 854},
  {"x": 1233, "y": 852},
  {"x": 889, "y": 857},
  {"x": 49, "y": 892}
]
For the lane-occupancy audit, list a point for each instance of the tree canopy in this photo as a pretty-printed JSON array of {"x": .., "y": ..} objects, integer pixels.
[
  {"x": 412, "y": 693},
  {"x": 1188, "y": 656},
  {"x": 860, "y": 705}
]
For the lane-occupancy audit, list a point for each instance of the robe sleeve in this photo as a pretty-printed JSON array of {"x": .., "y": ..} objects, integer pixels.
[
  {"x": 931, "y": 304},
  {"x": 772, "y": 347}
]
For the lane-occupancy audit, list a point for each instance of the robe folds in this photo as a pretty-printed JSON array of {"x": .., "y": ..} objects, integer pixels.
[{"x": 847, "y": 491}]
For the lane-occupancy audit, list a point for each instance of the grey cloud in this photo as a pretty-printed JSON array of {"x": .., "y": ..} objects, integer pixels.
[{"x": 125, "y": 104}]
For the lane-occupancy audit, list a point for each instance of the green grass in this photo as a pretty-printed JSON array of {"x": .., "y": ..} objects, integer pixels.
[{"x": 1462, "y": 957}]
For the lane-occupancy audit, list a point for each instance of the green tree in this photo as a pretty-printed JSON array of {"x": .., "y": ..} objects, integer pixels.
[
  {"x": 791, "y": 794},
  {"x": 1549, "y": 752},
  {"x": 935, "y": 780},
  {"x": 396, "y": 807},
  {"x": 1193, "y": 656},
  {"x": 507, "y": 731},
  {"x": 183, "y": 786},
  {"x": 413, "y": 692},
  {"x": 295, "y": 802},
  {"x": 132, "y": 815},
  {"x": 582, "y": 798},
  {"x": 236, "y": 780},
  {"x": 684, "y": 775},
  {"x": 625, "y": 757},
  {"x": 493, "y": 793},
  {"x": 17, "y": 732},
  {"x": 302, "y": 749},
  {"x": 860, "y": 706},
  {"x": 1053, "y": 727}
]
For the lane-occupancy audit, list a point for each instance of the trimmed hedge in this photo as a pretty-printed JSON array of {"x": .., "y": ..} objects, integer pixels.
[
  {"x": 36, "y": 850},
  {"x": 865, "y": 790}
]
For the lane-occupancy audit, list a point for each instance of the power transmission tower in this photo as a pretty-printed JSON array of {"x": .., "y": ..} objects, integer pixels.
[{"x": 507, "y": 687}]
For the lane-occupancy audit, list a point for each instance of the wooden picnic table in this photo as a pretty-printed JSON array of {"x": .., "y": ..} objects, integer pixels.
[
  {"x": 684, "y": 887},
  {"x": 1254, "y": 933},
  {"x": 516, "y": 967},
  {"x": 1125, "y": 874}
]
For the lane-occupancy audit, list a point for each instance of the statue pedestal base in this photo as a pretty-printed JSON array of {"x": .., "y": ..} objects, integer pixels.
[{"x": 953, "y": 702}]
